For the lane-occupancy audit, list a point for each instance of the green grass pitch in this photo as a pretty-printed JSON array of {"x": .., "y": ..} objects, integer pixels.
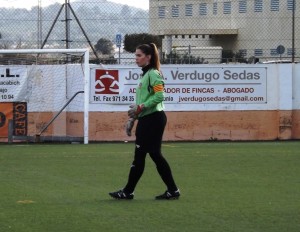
[{"x": 225, "y": 186}]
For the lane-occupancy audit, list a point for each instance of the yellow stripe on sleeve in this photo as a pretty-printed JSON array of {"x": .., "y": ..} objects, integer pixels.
[{"x": 158, "y": 88}]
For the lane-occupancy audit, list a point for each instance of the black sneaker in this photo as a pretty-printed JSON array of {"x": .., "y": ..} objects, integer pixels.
[
  {"x": 169, "y": 195},
  {"x": 121, "y": 195}
]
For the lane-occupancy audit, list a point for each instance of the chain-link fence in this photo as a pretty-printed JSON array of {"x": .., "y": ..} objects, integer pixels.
[{"x": 207, "y": 31}]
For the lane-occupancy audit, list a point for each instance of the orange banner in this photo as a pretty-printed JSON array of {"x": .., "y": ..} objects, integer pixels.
[{"x": 16, "y": 111}]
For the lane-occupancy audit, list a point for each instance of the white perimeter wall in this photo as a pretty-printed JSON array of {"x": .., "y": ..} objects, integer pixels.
[
  {"x": 46, "y": 89},
  {"x": 282, "y": 90}
]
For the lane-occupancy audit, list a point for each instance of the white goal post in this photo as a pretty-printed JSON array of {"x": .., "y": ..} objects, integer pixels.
[{"x": 48, "y": 80}]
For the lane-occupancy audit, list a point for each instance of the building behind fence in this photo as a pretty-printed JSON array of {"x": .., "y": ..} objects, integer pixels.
[{"x": 247, "y": 31}]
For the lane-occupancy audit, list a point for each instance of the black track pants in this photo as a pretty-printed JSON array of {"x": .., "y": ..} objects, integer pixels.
[{"x": 149, "y": 134}]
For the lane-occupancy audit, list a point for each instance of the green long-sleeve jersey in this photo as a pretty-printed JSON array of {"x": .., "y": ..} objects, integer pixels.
[{"x": 150, "y": 92}]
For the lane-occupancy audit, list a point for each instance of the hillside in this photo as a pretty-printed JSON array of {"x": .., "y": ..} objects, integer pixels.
[{"x": 99, "y": 19}]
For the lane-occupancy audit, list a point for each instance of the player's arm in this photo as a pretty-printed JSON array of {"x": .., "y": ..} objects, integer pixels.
[
  {"x": 157, "y": 85},
  {"x": 157, "y": 97}
]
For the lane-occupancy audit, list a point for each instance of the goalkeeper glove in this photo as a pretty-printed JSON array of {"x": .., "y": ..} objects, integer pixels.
[
  {"x": 129, "y": 126},
  {"x": 135, "y": 110}
]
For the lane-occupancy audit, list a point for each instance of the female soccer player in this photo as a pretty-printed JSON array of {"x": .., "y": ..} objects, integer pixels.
[{"x": 152, "y": 120}]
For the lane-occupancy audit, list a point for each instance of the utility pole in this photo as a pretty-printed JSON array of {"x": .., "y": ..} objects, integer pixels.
[
  {"x": 293, "y": 32},
  {"x": 68, "y": 11},
  {"x": 67, "y": 22},
  {"x": 39, "y": 25}
]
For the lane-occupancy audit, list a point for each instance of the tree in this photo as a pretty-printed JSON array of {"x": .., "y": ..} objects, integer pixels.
[
  {"x": 239, "y": 57},
  {"x": 133, "y": 40},
  {"x": 175, "y": 58},
  {"x": 230, "y": 56},
  {"x": 104, "y": 46}
]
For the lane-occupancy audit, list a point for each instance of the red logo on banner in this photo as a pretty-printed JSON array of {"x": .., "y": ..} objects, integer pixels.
[{"x": 107, "y": 82}]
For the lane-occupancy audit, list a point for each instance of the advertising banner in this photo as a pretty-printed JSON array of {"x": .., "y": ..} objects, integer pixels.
[
  {"x": 12, "y": 83},
  {"x": 16, "y": 111},
  {"x": 185, "y": 85}
]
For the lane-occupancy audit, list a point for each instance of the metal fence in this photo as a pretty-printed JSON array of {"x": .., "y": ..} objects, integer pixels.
[{"x": 206, "y": 31}]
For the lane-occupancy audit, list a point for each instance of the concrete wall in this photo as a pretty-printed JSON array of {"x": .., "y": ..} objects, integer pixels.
[
  {"x": 215, "y": 125},
  {"x": 183, "y": 126}
]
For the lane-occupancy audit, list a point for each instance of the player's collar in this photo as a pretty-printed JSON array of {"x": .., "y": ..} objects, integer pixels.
[{"x": 146, "y": 69}]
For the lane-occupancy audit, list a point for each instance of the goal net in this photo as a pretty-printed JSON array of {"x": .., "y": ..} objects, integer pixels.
[{"x": 44, "y": 93}]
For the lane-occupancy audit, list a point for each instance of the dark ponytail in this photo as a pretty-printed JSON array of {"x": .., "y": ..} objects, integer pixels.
[{"x": 151, "y": 49}]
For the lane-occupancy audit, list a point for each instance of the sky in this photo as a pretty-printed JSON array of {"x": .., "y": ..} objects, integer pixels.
[{"x": 144, "y": 4}]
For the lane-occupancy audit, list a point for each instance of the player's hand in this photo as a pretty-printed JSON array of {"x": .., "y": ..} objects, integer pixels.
[
  {"x": 135, "y": 110},
  {"x": 129, "y": 126}
]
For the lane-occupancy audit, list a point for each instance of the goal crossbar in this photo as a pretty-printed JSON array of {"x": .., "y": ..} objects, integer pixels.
[{"x": 37, "y": 51}]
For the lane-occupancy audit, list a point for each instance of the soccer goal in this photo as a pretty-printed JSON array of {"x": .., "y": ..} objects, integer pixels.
[{"x": 45, "y": 93}]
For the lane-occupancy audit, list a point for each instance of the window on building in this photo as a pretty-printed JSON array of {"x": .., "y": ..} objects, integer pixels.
[
  {"x": 258, "y": 5},
  {"x": 189, "y": 10},
  {"x": 215, "y": 8},
  {"x": 203, "y": 9},
  {"x": 290, "y": 4},
  {"x": 258, "y": 52},
  {"x": 242, "y": 6},
  {"x": 162, "y": 12},
  {"x": 175, "y": 11},
  {"x": 226, "y": 7},
  {"x": 273, "y": 52},
  {"x": 290, "y": 51},
  {"x": 274, "y": 5}
]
